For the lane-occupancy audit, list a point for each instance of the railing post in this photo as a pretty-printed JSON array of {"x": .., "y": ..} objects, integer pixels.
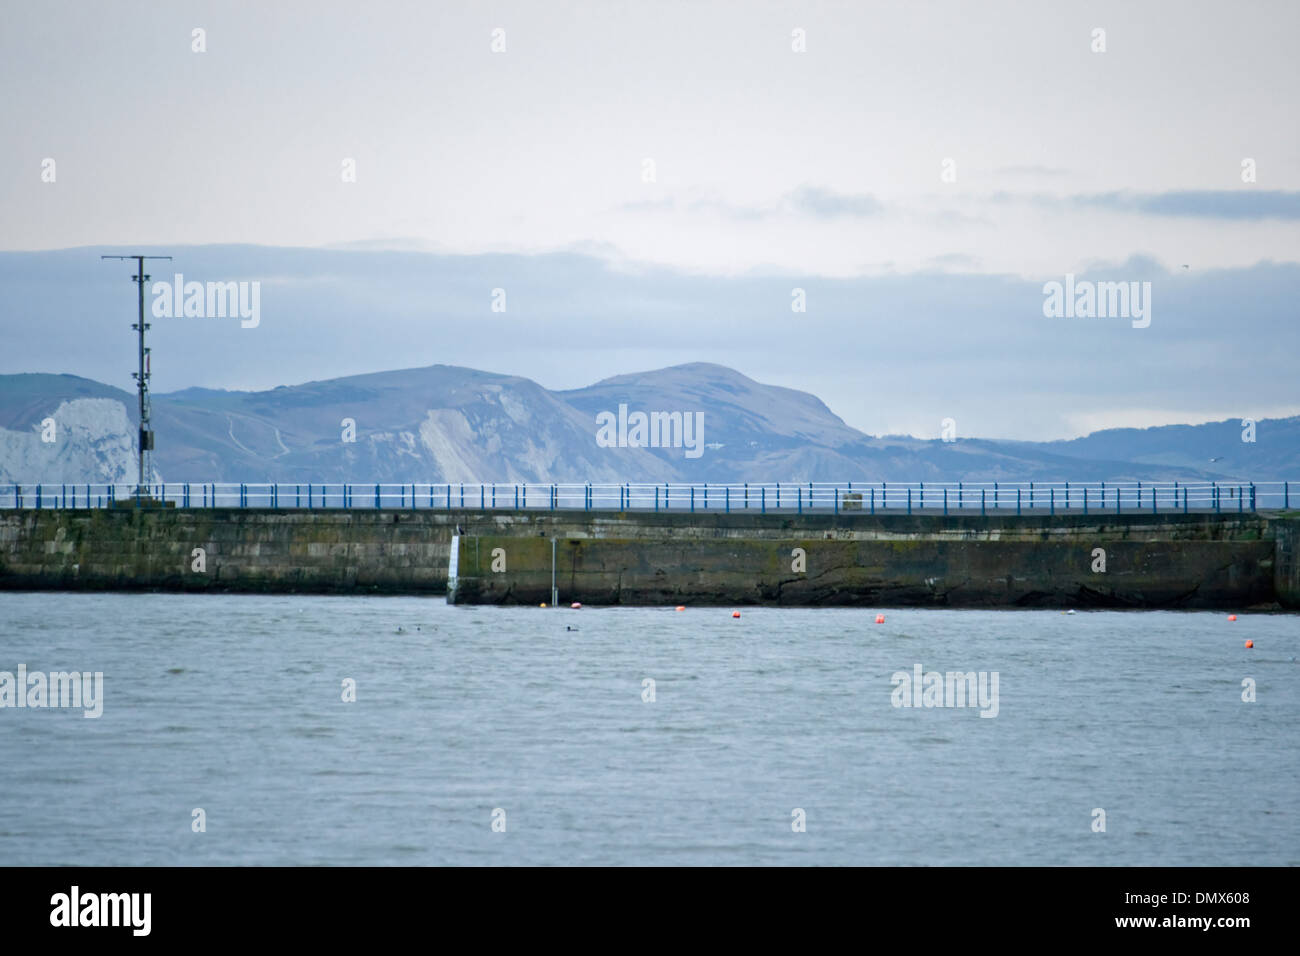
[
  {"x": 945, "y": 501},
  {"x": 1031, "y": 496},
  {"x": 656, "y": 497},
  {"x": 873, "y": 500},
  {"x": 983, "y": 510},
  {"x": 1184, "y": 499},
  {"x": 995, "y": 496},
  {"x": 1085, "y": 500},
  {"x": 884, "y": 496},
  {"x": 763, "y": 499},
  {"x": 726, "y": 494},
  {"x": 909, "y": 500},
  {"x": 922, "y": 495},
  {"x": 799, "y": 492},
  {"x": 1252, "y": 496},
  {"x": 1286, "y": 494},
  {"x": 959, "y": 496},
  {"x": 1017, "y": 501},
  {"x": 1051, "y": 501}
]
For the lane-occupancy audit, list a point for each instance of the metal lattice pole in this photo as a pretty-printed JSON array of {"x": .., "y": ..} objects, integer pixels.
[{"x": 145, "y": 438}]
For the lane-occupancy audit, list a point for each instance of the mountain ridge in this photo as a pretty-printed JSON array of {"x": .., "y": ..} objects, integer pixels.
[{"x": 439, "y": 423}]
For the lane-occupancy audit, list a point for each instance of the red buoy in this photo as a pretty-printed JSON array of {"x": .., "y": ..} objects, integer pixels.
[
  {"x": 735, "y": 614},
  {"x": 880, "y": 619},
  {"x": 575, "y": 605},
  {"x": 1250, "y": 643},
  {"x": 681, "y": 607},
  {"x": 1232, "y": 617}
]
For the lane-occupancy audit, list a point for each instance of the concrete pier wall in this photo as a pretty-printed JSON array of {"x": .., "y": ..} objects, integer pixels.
[
  {"x": 891, "y": 560},
  {"x": 1186, "y": 561}
]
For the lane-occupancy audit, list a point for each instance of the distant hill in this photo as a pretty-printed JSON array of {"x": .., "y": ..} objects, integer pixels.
[
  {"x": 1216, "y": 447},
  {"x": 445, "y": 423}
]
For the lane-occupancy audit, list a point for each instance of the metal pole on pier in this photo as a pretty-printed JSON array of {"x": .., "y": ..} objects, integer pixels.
[{"x": 142, "y": 377}]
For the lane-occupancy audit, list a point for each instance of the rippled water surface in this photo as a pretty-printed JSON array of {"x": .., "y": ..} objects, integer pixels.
[{"x": 233, "y": 704}]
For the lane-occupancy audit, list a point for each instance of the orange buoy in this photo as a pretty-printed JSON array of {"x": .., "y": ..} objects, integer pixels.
[
  {"x": 681, "y": 607},
  {"x": 735, "y": 614},
  {"x": 1232, "y": 617},
  {"x": 575, "y": 605},
  {"x": 880, "y": 619},
  {"x": 1250, "y": 643}
]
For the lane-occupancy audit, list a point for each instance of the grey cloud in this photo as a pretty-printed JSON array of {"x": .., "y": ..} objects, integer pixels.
[
  {"x": 825, "y": 204},
  {"x": 811, "y": 201},
  {"x": 1239, "y": 204}
]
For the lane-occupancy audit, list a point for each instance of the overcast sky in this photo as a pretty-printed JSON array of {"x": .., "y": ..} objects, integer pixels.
[{"x": 768, "y": 168}]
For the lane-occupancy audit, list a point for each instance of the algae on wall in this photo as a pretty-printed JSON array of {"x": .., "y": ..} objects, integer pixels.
[{"x": 647, "y": 558}]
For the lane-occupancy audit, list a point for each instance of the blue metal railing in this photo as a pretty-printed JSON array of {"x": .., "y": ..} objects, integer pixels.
[{"x": 962, "y": 497}]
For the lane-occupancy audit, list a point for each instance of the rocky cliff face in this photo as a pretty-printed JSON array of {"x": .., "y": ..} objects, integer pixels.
[{"x": 83, "y": 440}]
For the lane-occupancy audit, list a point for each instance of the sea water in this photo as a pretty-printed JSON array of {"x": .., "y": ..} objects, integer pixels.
[{"x": 365, "y": 730}]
